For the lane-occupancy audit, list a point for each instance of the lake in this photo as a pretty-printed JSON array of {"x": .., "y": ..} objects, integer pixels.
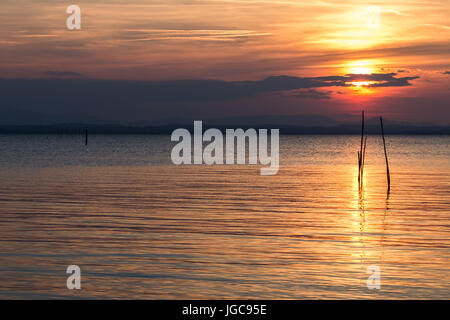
[{"x": 141, "y": 227}]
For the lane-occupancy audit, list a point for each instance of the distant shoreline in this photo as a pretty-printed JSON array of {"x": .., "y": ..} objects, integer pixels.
[{"x": 62, "y": 129}]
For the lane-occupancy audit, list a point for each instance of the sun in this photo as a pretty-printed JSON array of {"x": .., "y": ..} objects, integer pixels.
[
  {"x": 360, "y": 84},
  {"x": 360, "y": 67},
  {"x": 361, "y": 70}
]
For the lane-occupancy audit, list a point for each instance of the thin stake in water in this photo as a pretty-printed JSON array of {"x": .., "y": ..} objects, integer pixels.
[
  {"x": 386, "y": 157},
  {"x": 361, "y": 154}
]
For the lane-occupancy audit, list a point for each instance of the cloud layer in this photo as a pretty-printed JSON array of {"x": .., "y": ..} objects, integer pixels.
[{"x": 68, "y": 97}]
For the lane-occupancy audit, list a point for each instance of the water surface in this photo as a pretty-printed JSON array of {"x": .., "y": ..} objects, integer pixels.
[{"x": 140, "y": 227}]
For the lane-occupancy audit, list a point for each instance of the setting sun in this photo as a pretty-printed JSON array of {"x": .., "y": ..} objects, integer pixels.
[
  {"x": 361, "y": 70},
  {"x": 360, "y": 67},
  {"x": 361, "y": 83}
]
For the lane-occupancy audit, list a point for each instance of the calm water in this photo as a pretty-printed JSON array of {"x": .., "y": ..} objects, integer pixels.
[{"x": 140, "y": 227}]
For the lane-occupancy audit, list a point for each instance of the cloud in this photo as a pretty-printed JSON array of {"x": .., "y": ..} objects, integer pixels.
[
  {"x": 446, "y": 72},
  {"x": 312, "y": 94},
  {"x": 373, "y": 80},
  {"x": 70, "y": 98},
  {"x": 114, "y": 92},
  {"x": 441, "y": 26},
  {"x": 64, "y": 74},
  {"x": 191, "y": 34}
]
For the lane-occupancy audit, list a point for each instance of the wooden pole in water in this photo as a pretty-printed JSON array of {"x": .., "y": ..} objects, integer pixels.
[
  {"x": 86, "y": 133},
  {"x": 360, "y": 154},
  {"x": 363, "y": 160},
  {"x": 385, "y": 156}
]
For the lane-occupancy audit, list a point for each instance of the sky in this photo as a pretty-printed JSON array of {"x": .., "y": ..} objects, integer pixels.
[{"x": 137, "y": 62}]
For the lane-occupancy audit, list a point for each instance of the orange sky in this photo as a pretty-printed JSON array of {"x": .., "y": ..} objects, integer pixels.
[{"x": 236, "y": 40}]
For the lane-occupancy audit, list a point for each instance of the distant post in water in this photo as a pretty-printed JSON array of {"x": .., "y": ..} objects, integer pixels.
[{"x": 86, "y": 134}]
